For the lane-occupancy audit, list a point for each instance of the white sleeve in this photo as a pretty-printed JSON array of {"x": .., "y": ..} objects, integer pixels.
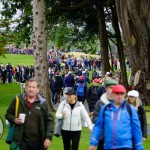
[
  {"x": 85, "y": 117},
  {"x": 59, "y": 110}
]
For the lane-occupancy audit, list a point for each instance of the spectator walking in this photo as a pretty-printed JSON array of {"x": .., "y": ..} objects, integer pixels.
[
  {"x": 81, "y": 88},
  {"x": 92, "y": 95},
  {"x": 73, "y": 112},
  {"x": 105, "y": 99},
  {"x": 69, "y": 80},
  {"x": 122, "y": 131},
  {"x": 54, "y": 90},
  {"x": 37, "y": 130},
  {"x": 133, "y": 99}
]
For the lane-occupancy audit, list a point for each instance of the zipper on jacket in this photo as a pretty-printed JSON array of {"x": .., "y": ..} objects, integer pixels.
[
  {"x": 114, "y": 129},
  {"x": 70, "y": 119}
]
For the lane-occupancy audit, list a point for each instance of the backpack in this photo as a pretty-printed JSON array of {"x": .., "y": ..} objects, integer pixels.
[{"x": 80, "y": 90}]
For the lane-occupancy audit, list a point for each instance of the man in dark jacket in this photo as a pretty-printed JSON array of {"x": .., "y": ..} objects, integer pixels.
[
  {"x": 91, "y": 95},
  {"x": 54, "y": 90},
  {"x": 69, "y": 80},
  {"x": 37, "y": 130}
]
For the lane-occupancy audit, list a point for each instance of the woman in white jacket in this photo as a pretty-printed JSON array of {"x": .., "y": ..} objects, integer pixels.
[{"x": 72, "y": 112}]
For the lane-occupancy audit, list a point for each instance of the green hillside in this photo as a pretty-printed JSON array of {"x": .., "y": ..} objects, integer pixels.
[{"x": 15, "y": 59}]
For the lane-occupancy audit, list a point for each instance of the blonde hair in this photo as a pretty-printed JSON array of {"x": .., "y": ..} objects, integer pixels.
[{"x": 134, "y": 104}]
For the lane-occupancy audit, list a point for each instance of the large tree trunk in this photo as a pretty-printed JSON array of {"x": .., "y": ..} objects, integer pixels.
[
  {"x": 40, "y": 49},
  {"x": 103, "y": 38},
  {"x": 134, "y": 18},
  {"x": 120, "y": 47}
]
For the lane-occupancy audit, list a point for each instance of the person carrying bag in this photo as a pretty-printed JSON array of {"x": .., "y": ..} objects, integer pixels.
[
  {"x": 59, "y": 123},
  {"x": 73, "y": 113},
  {"x": 34, "y": 126},
  {"x": 9, "y": 138}
]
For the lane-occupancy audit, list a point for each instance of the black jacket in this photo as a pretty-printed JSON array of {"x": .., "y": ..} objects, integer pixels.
[
  {"x": 92, "y": 94},
  {"x": 46, "y": 120},
  {"x": 143, "y": 120}
]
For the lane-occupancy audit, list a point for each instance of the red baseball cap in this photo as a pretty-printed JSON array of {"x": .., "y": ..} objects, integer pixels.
[
  {"x": 96, "y": 80},
  {"x": 118, "y": 89},
  {"x": 57, "y": 73},
  {"x": 81, "y": 78}
]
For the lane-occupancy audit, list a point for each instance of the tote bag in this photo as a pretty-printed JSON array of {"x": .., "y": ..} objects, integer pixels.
[
  {"x": 59, "y": 122},
  {"x": 10, "y": 134}
]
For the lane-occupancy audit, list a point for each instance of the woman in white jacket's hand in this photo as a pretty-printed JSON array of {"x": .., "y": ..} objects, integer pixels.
[{"x": 73, "y": 113}]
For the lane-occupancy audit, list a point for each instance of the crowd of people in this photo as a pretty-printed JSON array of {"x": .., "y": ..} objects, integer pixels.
[
  {"x": 114, "y": 122},
  {"x": 17, "y": 50},
  {"x": 116, "y": 119}
]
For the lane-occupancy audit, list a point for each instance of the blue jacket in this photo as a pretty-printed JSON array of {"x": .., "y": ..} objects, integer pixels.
[
  {"x": 69, "y": 81},
  {"x": 119, "y": 128},
  {"x": 53, "y": 86}
]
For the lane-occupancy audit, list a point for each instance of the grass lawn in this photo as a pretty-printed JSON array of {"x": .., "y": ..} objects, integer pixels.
[
  {"x": 8, "y": 91},
  {"x": 15, "y": 59}
]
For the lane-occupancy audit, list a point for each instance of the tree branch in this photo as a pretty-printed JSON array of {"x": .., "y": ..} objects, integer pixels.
[
  {"x": 112, "y": 41},
  {"x": 74, "y": 6}
]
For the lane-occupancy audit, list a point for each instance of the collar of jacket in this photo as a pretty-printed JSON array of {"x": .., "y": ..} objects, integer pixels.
[
  {"x": 122, "y": 104},
  {"x": 40, "y": 98},
  {"x": 104, "y": 99},
  {"x": 77, "y": 103}
]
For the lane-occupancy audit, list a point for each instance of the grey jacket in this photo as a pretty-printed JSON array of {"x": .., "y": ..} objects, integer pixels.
[{"x": 102, "y": 101}]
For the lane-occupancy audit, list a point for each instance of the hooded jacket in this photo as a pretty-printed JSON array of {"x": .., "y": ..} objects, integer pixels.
[
  {"x": 120, "y": 130},
  {"x": 46, "y": 119},
  {"x": 74, "y": 117},
  {"x": 102, "y": 101}
]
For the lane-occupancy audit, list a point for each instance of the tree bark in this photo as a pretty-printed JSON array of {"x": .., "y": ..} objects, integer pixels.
[
  {"x": 111, "y": 57},
  {"x": 120, "y": 47},
  {"x": 40, "y": 49},
  {"x": 103, "y": 38},
  {"x": 134, "y": 18}
]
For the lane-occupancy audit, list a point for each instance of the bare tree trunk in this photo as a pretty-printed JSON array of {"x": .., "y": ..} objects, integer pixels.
[
  {"x": 111, "y": 58},
  {"x": 120, "y": 47},
  {"x": 40, "y": 49},
  {"x": 103, "y": 38},
  {"x": 134, "y": 18}
]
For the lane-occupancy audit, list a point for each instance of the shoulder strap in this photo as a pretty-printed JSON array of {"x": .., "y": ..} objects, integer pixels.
[
  {"x": 17, "y": 106},
  {"x": 129, "y": 109},
  {"x": 108, "y": 105}
]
